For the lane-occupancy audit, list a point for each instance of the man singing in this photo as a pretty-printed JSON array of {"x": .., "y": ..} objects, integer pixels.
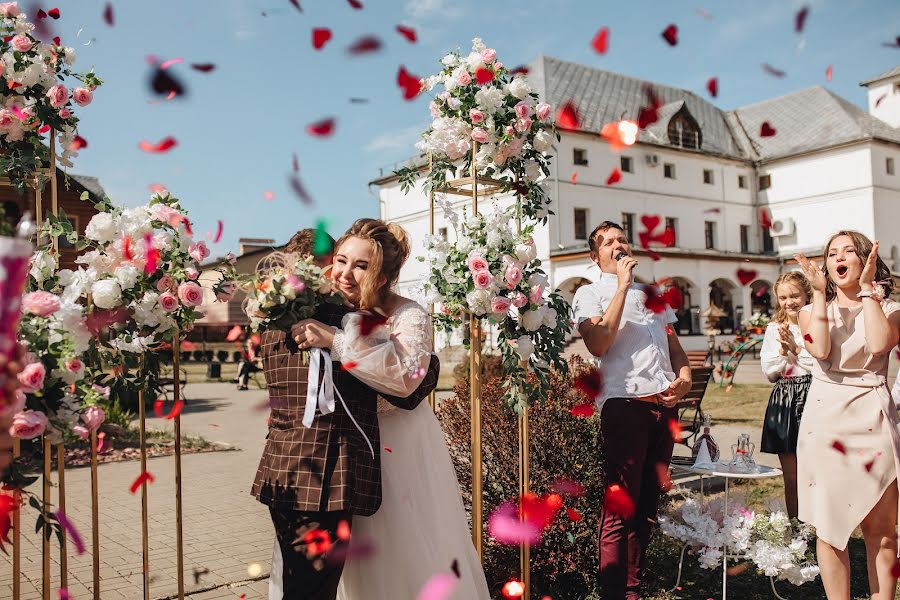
[{"x": 638, "y": 355}]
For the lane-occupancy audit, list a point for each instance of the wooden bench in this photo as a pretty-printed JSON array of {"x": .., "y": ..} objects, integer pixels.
[
  {"x": 690, "y": 412},
  {"x": 166, "y": 381}
]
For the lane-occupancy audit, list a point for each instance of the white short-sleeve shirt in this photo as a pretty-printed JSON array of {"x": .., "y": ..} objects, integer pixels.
[{"x": 637, "y": 364}]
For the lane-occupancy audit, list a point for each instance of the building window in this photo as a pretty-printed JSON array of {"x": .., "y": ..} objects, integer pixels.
[
  {"x": 579, "y": 157},
  {"x": 742, "y": 182},
  {"x": 672, "y": 223},
  {"x": 765, "y": 182},
  {"x": 668, "y": 170},
  {"x": 709, "y": 228},
  {"x": 767, "y": 243},
  {"x": 708, "y": 176},
  {"x": 628, "y": 226},
  {"x": 889, "y": 166},
  {"x": 442, "y": 233},
  {"x": 684, "y": 131},
  {"x": 581, "y": 224},
  {"x": 745, "y": 238},
  {"x": 626, "y": 164}
]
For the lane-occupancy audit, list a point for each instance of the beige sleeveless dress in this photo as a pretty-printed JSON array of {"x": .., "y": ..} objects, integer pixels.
[{"x": 848, "y": 448}]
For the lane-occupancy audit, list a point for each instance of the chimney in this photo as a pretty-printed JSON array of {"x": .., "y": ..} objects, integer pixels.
[{"x": 246, "y": 245}]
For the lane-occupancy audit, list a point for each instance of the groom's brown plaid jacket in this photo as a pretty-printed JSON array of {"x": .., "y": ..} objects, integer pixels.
[{"x": 328, "y": 466}]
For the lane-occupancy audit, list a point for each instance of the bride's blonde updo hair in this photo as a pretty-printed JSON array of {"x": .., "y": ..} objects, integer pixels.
[{"x": 390, "y": 249}]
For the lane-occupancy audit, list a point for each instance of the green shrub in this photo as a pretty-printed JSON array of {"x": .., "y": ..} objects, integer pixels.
[
  {"x": 565, "y": 564},
  {"x": 491, "y": 367}
]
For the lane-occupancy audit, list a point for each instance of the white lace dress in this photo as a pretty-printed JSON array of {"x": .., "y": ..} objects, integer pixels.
[{"x": 421, "y": 528}]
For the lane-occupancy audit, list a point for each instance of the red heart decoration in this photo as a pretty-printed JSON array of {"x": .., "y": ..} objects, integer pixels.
[
  {"x": 57, "y": 41},
  {"x": 670, "y": 34},
  {"x": 53, "y": 12},
  {"x": 713, "y": 86},
  {"x": 567, "y": 118},
  {"x": 614, "y": 177},
  {"x": 666, "y": 238},
  {"x": 766, "y": 130},
  {"x": 320, "y": 35},
  {"x": 590, "y": 384},
  {"x": 650, "y": 222},
  {"x": 654, "y": 302},
  {"x": 410, "y": 84},
  {"x": 408, "y": 32},
  {"x": 483, "y": 76},
  {"x": 649, "y": 113},
  {"x": 673, "y": 297},
  {"x": 322, "y": 128},
  {"x": 745, "y": 276},
  {"x": 78, "y": 143},
  {"x": 41, "y": 14},
  {"x": 600, "y": 43}
]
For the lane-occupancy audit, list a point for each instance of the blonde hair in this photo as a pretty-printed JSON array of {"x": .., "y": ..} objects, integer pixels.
[
  {"x": 794, "y": 278},
  {"x": 863, "y": 247},
  {"x": 390, "y": 249}
]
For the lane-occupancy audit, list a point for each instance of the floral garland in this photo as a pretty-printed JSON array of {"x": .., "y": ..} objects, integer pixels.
[
  {"x": 777, "y": 545},
  {"x": 494, "y": 273},
  {"x": 35, "y": 99},
  {"x": 485, "y": 104}
]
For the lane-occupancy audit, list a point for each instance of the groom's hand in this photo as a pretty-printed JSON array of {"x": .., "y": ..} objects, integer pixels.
[{"x": 310, "y": 333}]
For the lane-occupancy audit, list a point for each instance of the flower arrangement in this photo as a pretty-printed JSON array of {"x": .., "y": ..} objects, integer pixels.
[
  {"x": 286, "y": 289},
  {"x": 485, "y": 105},
  {"x": 756, "y": 321},
  {"x": 35, "y": 97},
  {"x": 777, "y": 545},
  {"x": 494, "y": 273}
]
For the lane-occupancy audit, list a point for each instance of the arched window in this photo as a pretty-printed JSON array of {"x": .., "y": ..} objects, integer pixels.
[{"x": 684, "y": 130}]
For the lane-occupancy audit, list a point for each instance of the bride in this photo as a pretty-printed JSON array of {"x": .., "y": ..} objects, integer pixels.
[{"x": 421, "y": 528}]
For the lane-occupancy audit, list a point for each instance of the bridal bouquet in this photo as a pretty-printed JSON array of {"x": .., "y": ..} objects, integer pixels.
[
  {"x": 483, "y": 103},
  {"x": 286, "y": 289},
  {"x": 777, "y": 545},
  {"x": 35, "y": 97},
  {"x": 492, "y": 272}
]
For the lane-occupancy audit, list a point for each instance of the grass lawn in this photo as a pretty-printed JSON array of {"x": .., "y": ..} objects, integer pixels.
[{"x": 742, "y": 405}]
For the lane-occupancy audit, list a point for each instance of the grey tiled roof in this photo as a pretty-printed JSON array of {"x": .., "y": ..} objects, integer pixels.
[
  {"x": 807, "y": 120},
  {"x": 602, "y": 97},
  {"x": 91, "y": 184},
  {"x": 885, "y": 75}
]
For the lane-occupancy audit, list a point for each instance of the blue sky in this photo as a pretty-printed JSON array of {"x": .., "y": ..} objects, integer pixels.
[{"x": 241, "y": 123}]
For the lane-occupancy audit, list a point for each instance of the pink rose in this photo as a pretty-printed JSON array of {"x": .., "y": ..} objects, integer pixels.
[
  {"x": 58, "y": 95},
  {"x": 464, "y": 78},
  {"x": 510, "y": 131},
  {"x": 434, "y": 109},
  {"x": 198, "y": 251},
  {"x": 523, "y": 125},
  {"x": 75, "y": 365},
  {"x": 519, "y": 299},
  {"x": 500, "y": 305},
  {"x": 226, "y": 291},
  {"x": 478, "y": 263},
  {"x": 165, "y": 284},
  {"x": 40, "y": 303},
  {"x": 6, "y": 119},
  {"x": 488, "y": 55},
  {"x": 65, "y": 113},
  {"x": 231, "y": 259},
  {"x": 17, "y": 406},
  {"x": 192, "y": 273},
  {"x": 513, "y": 274},
  {"x": 190, "y": 293},
  {"x": 480, "y": 135},
  {"x": 28, "y": 424},
  {"x": 482, "y": 279},
  {"x": 523, "y": 109},
  {"x": 103, "y": 390},
  {"x": 476, "y": 115},
  {"x": 82, "y": 96},
  {"x": 536, "y": 295},
  {"x": 296, "y": 283},
  {"x": 168, "y": 302},
  {"x": 93, "y": 417},
  {"x": 32, "y": 377},
  {"x": 22, "y": 43},
  {"x": 81, "y": 431},
  {"x": 10, "y": 9},
  {"x": 543, "y": 111}
]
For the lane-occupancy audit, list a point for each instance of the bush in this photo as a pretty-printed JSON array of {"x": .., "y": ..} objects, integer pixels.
[
  {"x": 198, "y": 355},
  {"x": 222, "y": 356},
  {"x": 565, "y": 564},
  {"x": 491, "y": 367}
]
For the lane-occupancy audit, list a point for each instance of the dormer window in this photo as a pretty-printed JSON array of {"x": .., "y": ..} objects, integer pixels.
[{"x": 684, "y": 131}]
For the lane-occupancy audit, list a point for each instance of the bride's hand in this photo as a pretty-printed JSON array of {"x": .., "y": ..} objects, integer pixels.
[
  {"x": 813, "y": 273},
  {"x": 310, "y": 333},
  {"x": 867, "y": 277}
]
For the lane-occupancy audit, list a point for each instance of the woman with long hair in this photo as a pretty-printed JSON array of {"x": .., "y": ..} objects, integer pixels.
[
  {"x": 787, "y": 364},
  {"x": 848, "y": 448}
]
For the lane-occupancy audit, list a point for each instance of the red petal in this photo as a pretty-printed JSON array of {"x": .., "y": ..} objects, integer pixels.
[
  {"x": 218, "y": 232},
  {"x": 107, "y": 14},
  {"x": 568, "y": 487},
  {"x": 655, "y": 303},
  {"x": 146, "y": 476},
  {"x": 323, "y": 128},
  {"x": 800, "y": 19},
  {"x": 600, "y": 43},
  {"x": 523, "y": 70},
  {"x": 666, "y": 238},
  {"x": 838, "y": 446},
  {"x": 618, "y": 502},
  {"x": 649, "y": 113},
  {"x": 513, "y": 589},
  {"x": 299, "y": 189},
  {"x": 171, "y": 63},
  {"x": 663, "y": 478},
  {"x": 675, "y": 430},
  {"x": 868, "y": 466},
  {"x": 78, "y": 143},
  {"x": 828, "y": 72},
  {"x": 203, "y": 67},
  {"x": 126, "y": 248},
  {"x": 483, "y": 76},
  {"x": 320, "y": 35},
  {"x": 895, "y": 570},
  {"x": 574, "y": 515},
  {"x": 370, "y": 322},
  {"x": 590, "y": 384},
  {"x": 296, "y": 4},
  {"x": 409, "y": 83},
  {"x": 670, "y": 34},
  {"x": 583, "y": 410},
  {"x": 343, "y": 531},
  {"x": 41, "y": 14},
  {"x": 295, "y": 163},
  {"x": 745, "y": 276},
  {"x": 53, "y": 12},
  {"x": 880, "y": 98},
  {"x": 614, "y": 177},
  {"x": 574, "y": 177},
  {"x": 408, "y": 32},
  {"x": 765, "y": 220},
  {"x": 673, "y": 297},
  {"x": 773, "y": 71},
  {"x": 567, "y": 118},
  {"x": 356, "y": 4},
  {"x": 348, "y": 366},
  {"x": 766, "y": 130},
  {"x": 57, "y": 41},
  {"x": 388, "y": 450},
  {"x": 163, "y": 145},
  {"x": 713, "y": 86},
  {"x": 234, "y": 333},
  {"x": 45, "y": 129},
  {"x": 808, "y": 338},
  {"x": 365, "y": 45}
]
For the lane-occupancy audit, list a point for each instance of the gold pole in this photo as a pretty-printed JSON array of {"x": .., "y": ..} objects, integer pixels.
[
  {"x": 475, "y": 399},
  {"x": 45, "y": 534},
  {"x": 95, "y": 516},
  {"x": 17, "y": 529},
  {"x": 63, "y": 549},
  {"x": 179, "y": 547},
  {"x": 145, "y": 538},
  {"x": 432, "y": 400},
  {"x": 39, "y": 206},
  {"x": 54, "y": 199}
]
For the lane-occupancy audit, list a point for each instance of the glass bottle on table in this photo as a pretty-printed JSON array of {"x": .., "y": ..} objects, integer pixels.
[{"x": 706, "y": 438}]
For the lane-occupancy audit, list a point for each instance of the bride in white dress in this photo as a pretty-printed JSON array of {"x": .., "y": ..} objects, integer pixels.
[{"x": 421, "y": 528}]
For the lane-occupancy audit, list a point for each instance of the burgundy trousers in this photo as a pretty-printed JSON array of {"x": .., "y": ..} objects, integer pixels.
[{"x": 637, "y": 446}]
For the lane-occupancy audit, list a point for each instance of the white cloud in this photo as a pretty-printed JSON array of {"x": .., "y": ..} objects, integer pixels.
[
  {"x": 420, "y": 9},
  {"x": 395, "y": 140}
]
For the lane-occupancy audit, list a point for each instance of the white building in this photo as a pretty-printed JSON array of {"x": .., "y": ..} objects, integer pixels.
[{"x": 708, "y": 174}]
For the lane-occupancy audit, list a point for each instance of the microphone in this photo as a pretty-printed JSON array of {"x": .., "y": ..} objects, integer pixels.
[{"x": 622, "y": 254}]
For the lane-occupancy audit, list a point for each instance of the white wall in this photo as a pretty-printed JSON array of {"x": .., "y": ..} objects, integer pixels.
[{"x": 888, "y": 109}]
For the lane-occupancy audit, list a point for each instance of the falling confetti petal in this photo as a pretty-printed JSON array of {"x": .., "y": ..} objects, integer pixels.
[
  {"x": 299, "y": 189},
  {"x": 369, "y": 322},
  {"x": 157, "y": 188},
  {"x": 829, "y": 72},
  {"x": 296, "y": 4},
  {"x": 176, "y": 408},
  {"x": 68, "y": 527},
  {"x": 203, "y": 67},
  {"x": 349, "y": 365},
  {"x": 745, "y": 276},
  {"x": 53, "y": 12},
  {"x": 343, "y": 531},
  {"x": 513, "y": 589},
  {"x": 567, "y": 118},
  {"x": 618, "y": 502},
  {"x": 365, "y": 45},
  {"x": 323, "y": 128},
  {"x": 164, "y": 83},
  {"x": 590, "y": 384},
  {"x": 295, "y": 163},
  {"x": 675, "y": 430},
  {"x": 670, "y": 34},
  {"x": 614, "y": 177},
  {"x": 439, "y": 586},
  {"x": 808, "y": 338},
  {"x": 568, "y": 487},
  {"x": 705, "y": 14},
  {"x": 107, "y": 14},
  {"x": 145, "y": 477},
  {"x": 600, "y": 43},
  {"x": 322, "y": 243},
  {"x": 408, "y": 32},
  {"x": 766, "y": 130},
  {"x": 574, "y": 515},
  {"x": 171, "y": 63},
  {"x": 483, "y": 76},
  {"x": 218, "y": 232},
  {"x": 234, "y": 333},
  {"x": 894, "y": 44},
  {"x": 712, "y": 86},
  {"x": 455, "y": 568},
  {"x": 410, "y": 84},
  {"x": 773, "y": 71},
  {"x": 160, "y": 147},
  {"x": 268, "y": 195},
  {"x": 649, "y": 113},
  {"x": 78, "y": 143},
  {"x": 63, "y": 594},
  {"x": 320, "y": 36},
  {"x": 800, "y": 19},
  {"x": 839, "y": 447},
  {"x": 356, "y": 4},
  {"x": 574, "y": 177},
  {"x": 505, "y": 526},
  {"x": 583, "y": 410}
]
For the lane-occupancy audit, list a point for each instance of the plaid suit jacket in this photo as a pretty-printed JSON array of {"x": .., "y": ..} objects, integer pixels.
[{"x": 328, "y": 466}]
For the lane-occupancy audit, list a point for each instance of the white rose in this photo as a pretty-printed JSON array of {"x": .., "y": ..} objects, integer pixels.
[
  {"x": 532, "y": 170},
  {"x": 532, "y": 319},
  {"x": 473, "y": 61},
  {"x": 102, "y": 228},
  {"x": 42, "y": 265},
  {"x": 106, "y": 293},
  {"x": 519, "y": 88},
  {"x": 538, "y": 279},
  {"x": 478, "y": 45},
  {"x": 69, "y": 58},
  {"x": 464, "y": 244},
  {"x": 542, "y": 141},
  {"x": 453, "y": 103},
  {"x": 451, "y": 60},
  {"x": 127, "y": 276},
  {"x": 525, "y": 253},
  {"x": 525, "y": 347},
  {"x": 479, "y": 302},
  {"x": 494, "y": 239},
  {"x": 550, "y": 317}
]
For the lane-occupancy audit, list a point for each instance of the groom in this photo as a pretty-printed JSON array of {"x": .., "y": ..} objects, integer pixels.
[{"x": 315, "y": 478}]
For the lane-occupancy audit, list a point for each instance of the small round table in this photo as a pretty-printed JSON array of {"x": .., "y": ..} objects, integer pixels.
[{"x": 725, "y": 471}]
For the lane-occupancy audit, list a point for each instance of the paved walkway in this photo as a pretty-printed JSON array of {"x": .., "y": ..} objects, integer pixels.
[{"x": 226, "y": 531}]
